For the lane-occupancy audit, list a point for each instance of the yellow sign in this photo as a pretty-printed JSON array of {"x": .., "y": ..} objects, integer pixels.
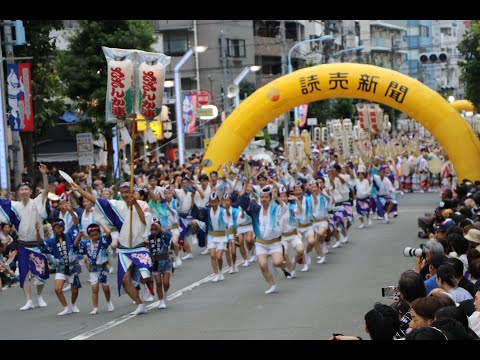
[
  {"x": 206, "y": 142},
  {"x": 155, "y": 125}
]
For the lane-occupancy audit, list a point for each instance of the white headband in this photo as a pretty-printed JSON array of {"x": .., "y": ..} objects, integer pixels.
[{"x": 267, "y": 189}]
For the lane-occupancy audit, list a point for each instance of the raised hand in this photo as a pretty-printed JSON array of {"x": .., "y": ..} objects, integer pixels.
[
  {"x": 75, "y": 186},
  {"x": 43, "y": 168}
]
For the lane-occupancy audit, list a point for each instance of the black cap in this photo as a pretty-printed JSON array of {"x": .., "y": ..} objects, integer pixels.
[{"x": 446, "y": 204}]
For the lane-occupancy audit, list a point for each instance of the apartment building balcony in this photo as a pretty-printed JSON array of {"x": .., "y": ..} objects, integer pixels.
[
  {"x": 270, "y": 46},
  {"x": 386, "y": 44}
]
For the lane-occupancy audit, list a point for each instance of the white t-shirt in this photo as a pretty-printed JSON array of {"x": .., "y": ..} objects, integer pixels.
[
  {"x": 29, "y": 215},
  {"x": 184, "y": 201},
  {"x": 197, "y": 199},
  {"x": 364, "y": 188},
  {"x": 139, "y": 230}
]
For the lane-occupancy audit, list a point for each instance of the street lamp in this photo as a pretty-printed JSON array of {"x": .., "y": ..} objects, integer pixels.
[
  {"x": 178, "y": 100},
  {"x": 321, "y": 38},
  {"x": 356, "y": 48},
  {"x": 241, "y": 76}
]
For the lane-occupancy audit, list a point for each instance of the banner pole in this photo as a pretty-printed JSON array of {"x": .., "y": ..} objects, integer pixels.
[{"x": 132, "y": 163}]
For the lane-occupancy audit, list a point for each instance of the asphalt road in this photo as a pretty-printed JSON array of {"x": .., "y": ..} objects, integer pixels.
[{"x": 331, "y": 297}]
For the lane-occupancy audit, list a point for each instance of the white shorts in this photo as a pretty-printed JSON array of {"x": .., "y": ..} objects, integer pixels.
[
  {"x": 213, "y": 243},
  {"x": 292, "y": 240},
  {"x": 68, "y": 278},
  {"x": 174, "y": 232},
  {"x": 243, "y": 229},
  {"x": 261, "y": 249},
  {"x": 305, "y": 232},
  {"x": 93, "y": 278},
  {"x": 321, "y": 224}
]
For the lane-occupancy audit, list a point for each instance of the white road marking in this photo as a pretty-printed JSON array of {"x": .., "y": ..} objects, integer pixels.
[{"x": 126, "y": 317}]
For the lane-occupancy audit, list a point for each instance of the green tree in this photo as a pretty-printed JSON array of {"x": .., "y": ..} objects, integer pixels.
[
  {"x": 246, "y": 88},
  {"x": 343, "y": 109},
  {"x": 83, "y": 68},
  {"x": 47, "y": 89},
  {"x": 469, "y": 47}
]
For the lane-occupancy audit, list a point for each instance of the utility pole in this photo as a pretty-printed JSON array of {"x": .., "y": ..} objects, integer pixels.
[
  {"x": 197, "y": 65},
  {"x": 16, "y": 142},
  {"x": 284, "y": 71},
  {"x": 392, "y": 56},
  {"x": 223, "y": 53},
  {"x": 4, "y": 163}
]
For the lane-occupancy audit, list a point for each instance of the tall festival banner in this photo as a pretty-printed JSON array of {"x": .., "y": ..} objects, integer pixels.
[
  {"x": 189, "y": 106},
  {"x": 135, "y": 86},
  {"x": 19, "y": 88}
]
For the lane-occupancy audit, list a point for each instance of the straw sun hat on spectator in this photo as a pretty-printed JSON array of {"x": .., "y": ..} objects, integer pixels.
[{"x": 473, "y": 235}]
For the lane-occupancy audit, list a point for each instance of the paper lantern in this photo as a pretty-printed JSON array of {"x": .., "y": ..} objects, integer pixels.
[{"x": 119, "y": 84}]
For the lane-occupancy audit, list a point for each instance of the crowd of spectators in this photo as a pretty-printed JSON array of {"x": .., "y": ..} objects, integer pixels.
[{"x": 439, "y": 299}]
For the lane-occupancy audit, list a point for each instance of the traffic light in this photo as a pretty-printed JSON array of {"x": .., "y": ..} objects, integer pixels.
[
  {"x": 19, "y": 33},
  {"x": 447, "y": 88},
  {"x": 433, "y": 57}
]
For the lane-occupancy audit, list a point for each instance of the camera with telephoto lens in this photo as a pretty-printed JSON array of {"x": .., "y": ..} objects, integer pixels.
[{"x": 411, "y": 251}]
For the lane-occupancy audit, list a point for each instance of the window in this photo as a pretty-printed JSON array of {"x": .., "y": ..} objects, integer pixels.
[
  {"x": 156, "y": 25},
  {"x": 413, "y": 31},
  {"x": 424, "y": 31},
  {"x": 314, "y": 45},
  {"x": 446, "y": 31},
  {"x": 290, "y": 30},
  {"x": 265, "y": 28},
  {"x": 271, "y": 65},
  {"x": 235, "y": 48},
  {"x": 175, "y": 43}
]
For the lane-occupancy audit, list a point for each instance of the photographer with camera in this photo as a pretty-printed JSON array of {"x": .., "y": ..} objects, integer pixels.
[{"x": 424, "y": 255}]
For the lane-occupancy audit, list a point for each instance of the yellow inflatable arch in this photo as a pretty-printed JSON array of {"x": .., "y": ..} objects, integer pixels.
[
  {"x": 463, "y": 105},
  {"x": 348, "y": 80}
]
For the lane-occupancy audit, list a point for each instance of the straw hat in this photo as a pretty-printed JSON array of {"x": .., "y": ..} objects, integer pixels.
[{"x": 473, "y": 235}]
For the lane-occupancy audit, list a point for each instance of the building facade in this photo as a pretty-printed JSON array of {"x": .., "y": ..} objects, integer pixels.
[{"x": 234, "y": 45}]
